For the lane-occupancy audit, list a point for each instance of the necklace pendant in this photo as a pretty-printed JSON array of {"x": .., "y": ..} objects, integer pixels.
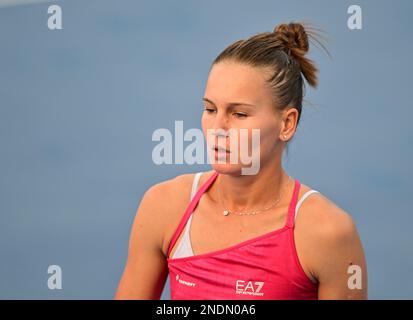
[{"x": 226, "y": 212}]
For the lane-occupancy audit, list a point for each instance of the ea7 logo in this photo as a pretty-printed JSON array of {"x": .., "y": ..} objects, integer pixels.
[{"x": 249, "y": 287}]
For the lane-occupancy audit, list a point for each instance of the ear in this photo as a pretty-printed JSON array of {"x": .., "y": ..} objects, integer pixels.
[{"x": 288, "y": 123}]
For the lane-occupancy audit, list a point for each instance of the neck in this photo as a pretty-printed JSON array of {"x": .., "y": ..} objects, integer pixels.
[{"x": 251, "y": 192}]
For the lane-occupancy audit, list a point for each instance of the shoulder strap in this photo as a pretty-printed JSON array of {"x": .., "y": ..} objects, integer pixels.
[
  {"x": 189, "y": 210},
  {"x": 305, "y": 195},
  {"x": 195, "y": 184},
  {"x": 293, "y": 203}
]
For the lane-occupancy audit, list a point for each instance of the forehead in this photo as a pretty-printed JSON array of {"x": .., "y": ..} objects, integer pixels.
[{"x": 228, "y": 81}]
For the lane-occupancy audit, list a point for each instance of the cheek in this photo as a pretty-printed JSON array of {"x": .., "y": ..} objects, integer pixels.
[
  {"x": 207, "y": 125},
  {"x": 204, "y": 124},
  {"x": 269, "y": 135},
  {"x": 268, "y": 138},
  {"x": 263, "y": 138}
]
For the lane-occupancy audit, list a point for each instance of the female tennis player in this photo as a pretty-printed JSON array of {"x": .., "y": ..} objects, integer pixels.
[{"x": 224, "y": 234}]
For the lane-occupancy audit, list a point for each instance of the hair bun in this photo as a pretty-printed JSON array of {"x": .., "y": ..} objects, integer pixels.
[{"x": 293, "y": 35}]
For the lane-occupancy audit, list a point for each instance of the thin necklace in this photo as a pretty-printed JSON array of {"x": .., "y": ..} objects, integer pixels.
[{"x": 226, "y": 212}]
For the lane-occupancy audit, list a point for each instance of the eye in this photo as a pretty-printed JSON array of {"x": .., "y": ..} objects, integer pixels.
[
  {"x": 240, "y": 115},
  {"x": 208, "y": 110}
]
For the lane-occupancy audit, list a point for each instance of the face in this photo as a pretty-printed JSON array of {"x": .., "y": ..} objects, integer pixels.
[{"x": 237, "y": 100}]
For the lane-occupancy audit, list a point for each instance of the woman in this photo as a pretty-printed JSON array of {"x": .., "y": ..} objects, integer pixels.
[{"x": 224, "y": 234}]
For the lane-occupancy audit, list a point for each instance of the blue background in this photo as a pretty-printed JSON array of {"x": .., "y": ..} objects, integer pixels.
[{"x": 78, "y": 107}]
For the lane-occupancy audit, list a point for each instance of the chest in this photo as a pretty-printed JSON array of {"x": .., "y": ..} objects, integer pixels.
[{"x": 211, "y": 231}]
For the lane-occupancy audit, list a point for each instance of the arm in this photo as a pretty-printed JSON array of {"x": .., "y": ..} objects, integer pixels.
[
  {"x": 145, "y": 272},
  {"x": 339, "y": 263}
]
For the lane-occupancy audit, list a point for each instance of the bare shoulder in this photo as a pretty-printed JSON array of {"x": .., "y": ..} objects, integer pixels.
[
  {"x": 166, "y": 192},
  {"x": 165, "y": 203},
  {"x": 328, "y": 243},
  {"x": 146, "y": 271},
  {"x": 324, "y": 218},
  {"x": 173, "y": 190},
  {"x": 326, "y": 236},
  {"x": 164, "y": 198}
]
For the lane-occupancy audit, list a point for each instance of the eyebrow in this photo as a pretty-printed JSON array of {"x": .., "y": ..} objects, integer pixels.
[{"x": 231, "y": 104}]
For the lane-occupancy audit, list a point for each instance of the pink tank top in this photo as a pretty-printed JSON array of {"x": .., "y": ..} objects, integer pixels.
[{"x": 264, "y": 267}]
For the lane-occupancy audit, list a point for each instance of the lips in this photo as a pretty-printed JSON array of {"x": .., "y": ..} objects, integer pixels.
[{"x": 220, "y": 149}]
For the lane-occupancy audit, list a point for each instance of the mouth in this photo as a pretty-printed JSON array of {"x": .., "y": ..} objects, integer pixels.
[{"x": 220, "y": 149}]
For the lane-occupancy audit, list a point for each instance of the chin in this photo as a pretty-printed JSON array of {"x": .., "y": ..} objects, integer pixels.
[{"x": 227, "y": 168}]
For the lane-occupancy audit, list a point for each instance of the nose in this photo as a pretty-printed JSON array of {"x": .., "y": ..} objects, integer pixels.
[
  {"x": 220, "y": 122},
  {"x": 218, "y": 132}
]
